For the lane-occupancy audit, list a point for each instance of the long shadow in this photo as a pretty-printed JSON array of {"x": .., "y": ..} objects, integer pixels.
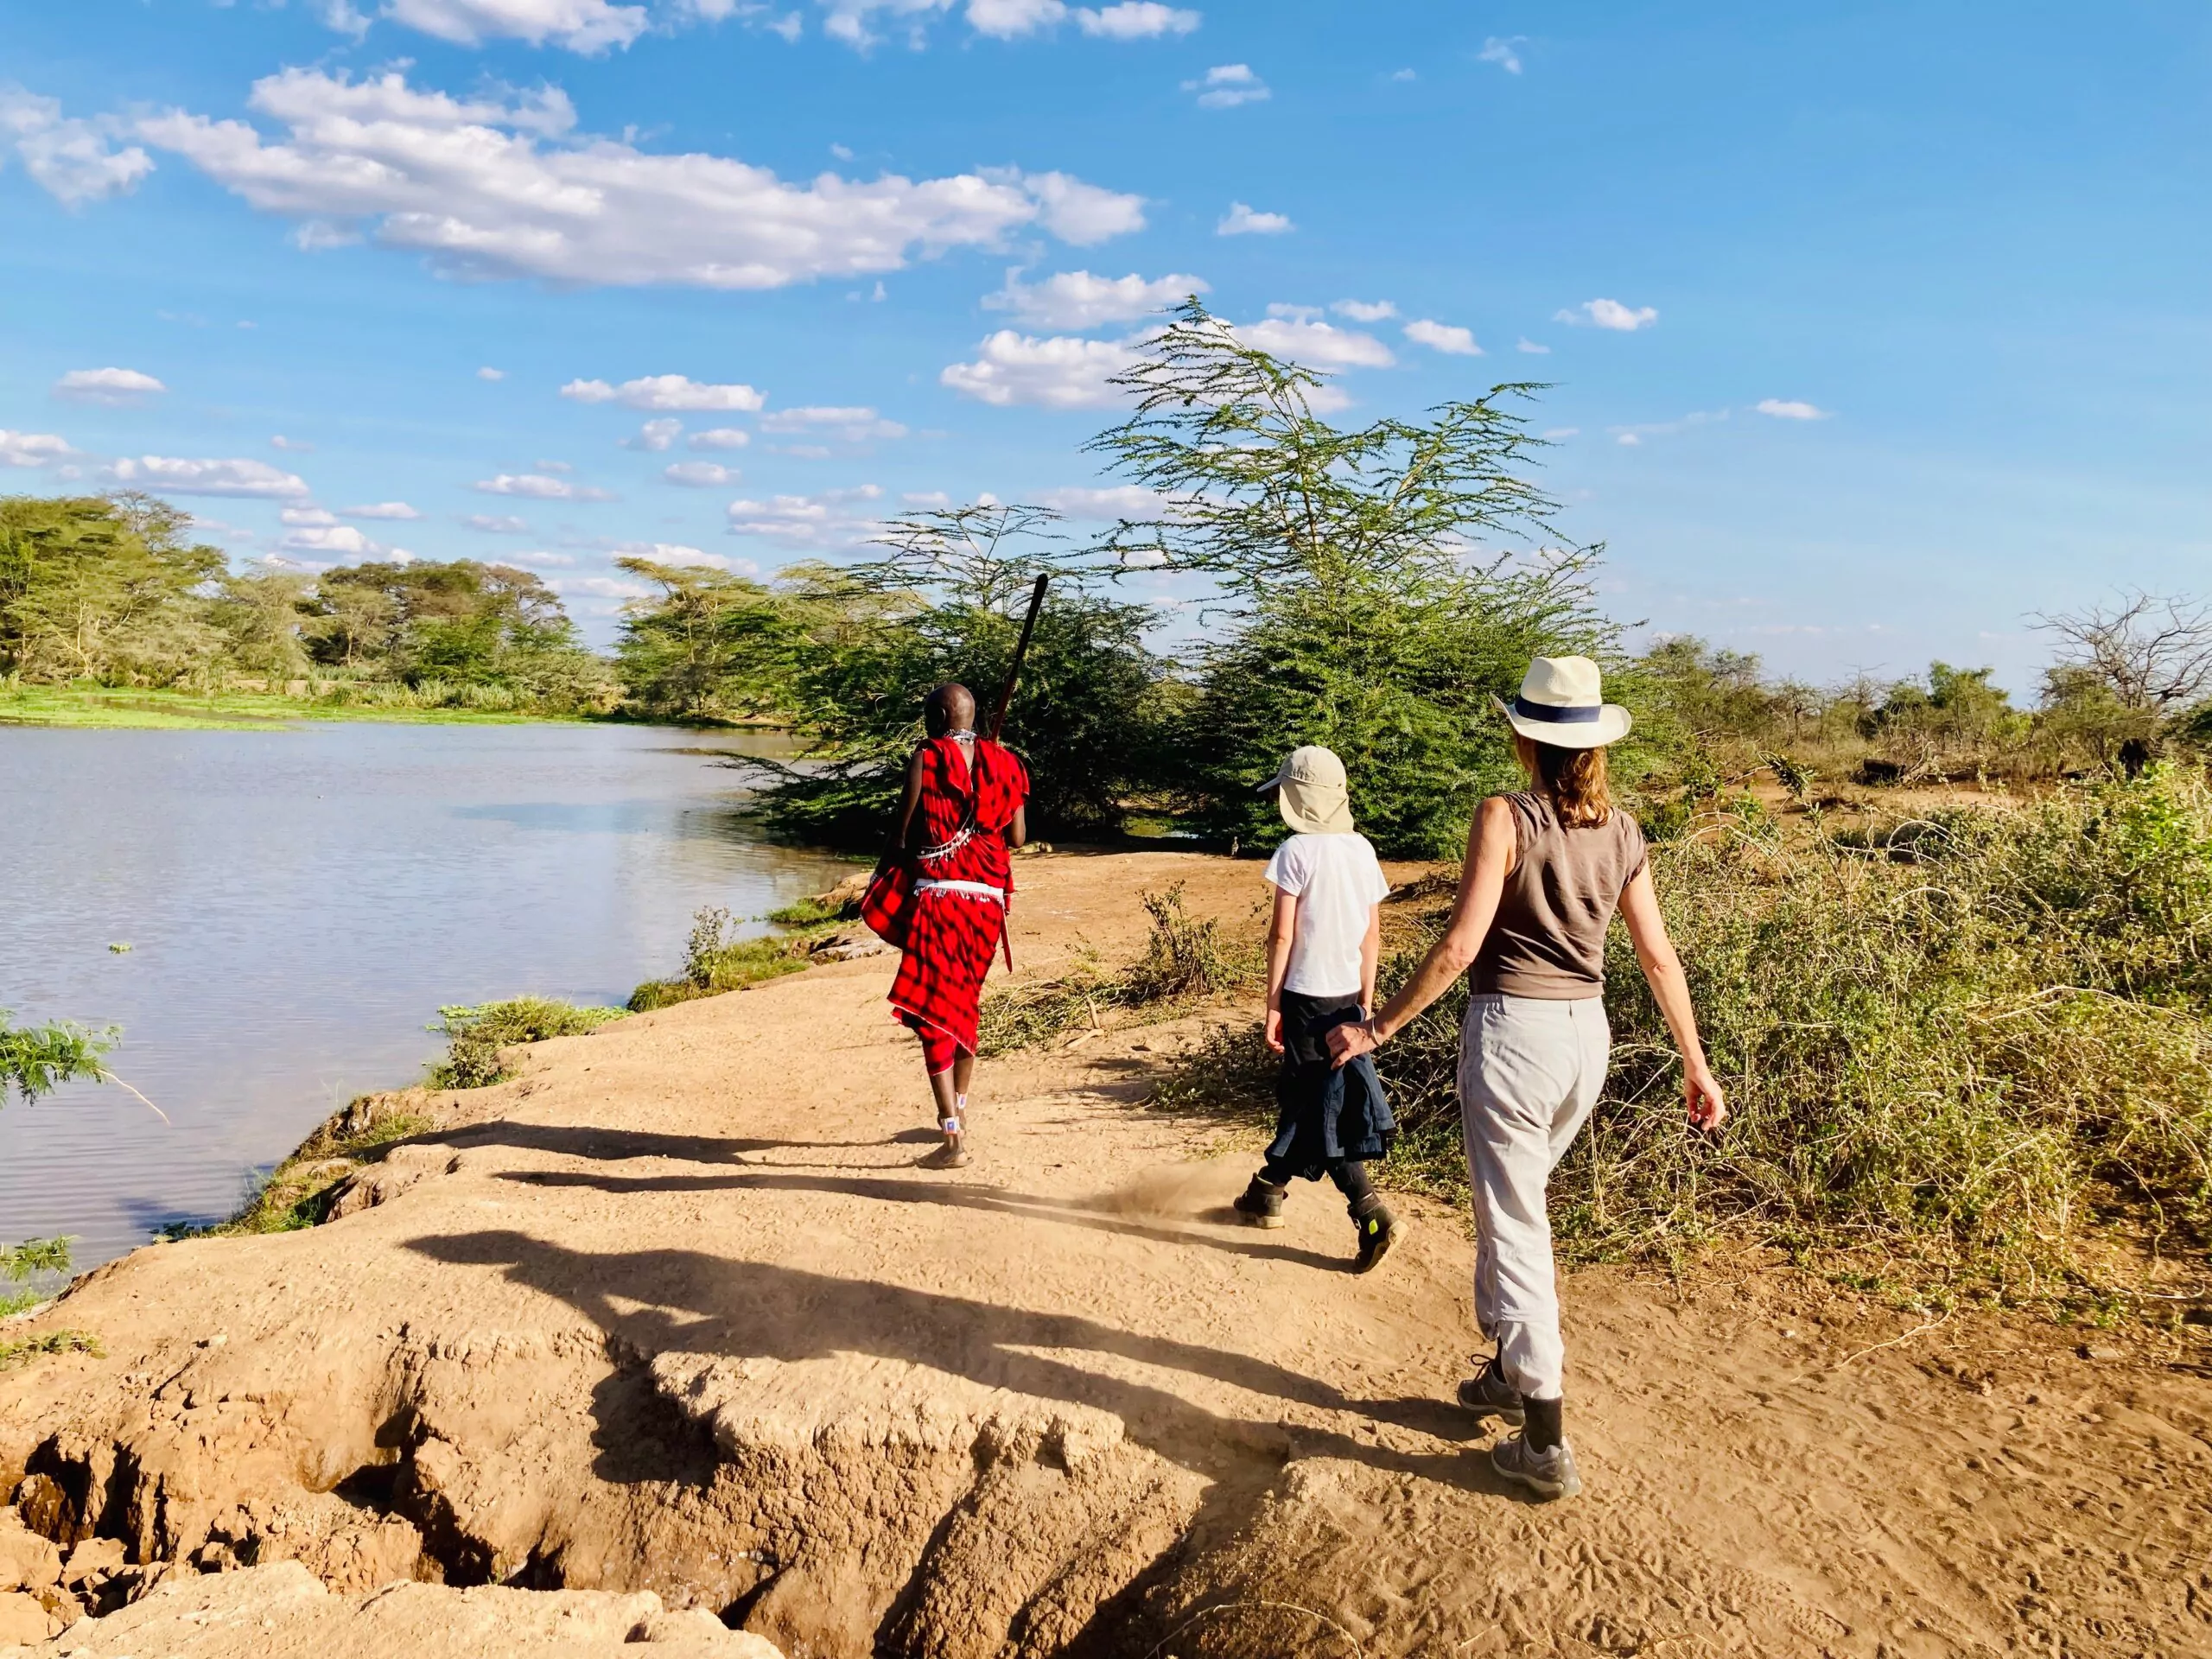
[
  {"x": 1090, "y": 1214},
  {"x": 687, "y": 1301},
  {"x": 616, "y": 1145}
]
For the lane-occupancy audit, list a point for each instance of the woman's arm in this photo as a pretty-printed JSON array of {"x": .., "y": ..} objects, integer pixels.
[
  {"x": 1491, "y": 851},
  {"x": 1282, "y": 928},
  {"x": 1647, "y": 930},
  {"x": 1017, "y": 832},
  {"x": 1370, "y": 957}
]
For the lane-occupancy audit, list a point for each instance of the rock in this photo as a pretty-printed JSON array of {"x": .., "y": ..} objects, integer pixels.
[
  {"x": 281, "y": 1611},
  {"x": 92, "y": 1557},
  {"x": 27, "y": 1560},
  {"x": 22, "y": 1620}
]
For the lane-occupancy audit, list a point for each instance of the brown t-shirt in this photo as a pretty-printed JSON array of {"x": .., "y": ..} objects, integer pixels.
[{"x": 1549, "y": 939}]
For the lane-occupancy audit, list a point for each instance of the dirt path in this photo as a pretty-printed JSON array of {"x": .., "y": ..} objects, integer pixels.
[{"x": 677, "y": 1311}]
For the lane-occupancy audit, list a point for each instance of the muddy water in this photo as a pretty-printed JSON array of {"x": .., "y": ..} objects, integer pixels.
[{"x": 299, "y": 903}]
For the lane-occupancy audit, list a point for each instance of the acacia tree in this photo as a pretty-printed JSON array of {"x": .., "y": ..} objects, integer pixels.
[
  {"x": 1381, "y": 582},
  {"x": 945, "y": 602}
]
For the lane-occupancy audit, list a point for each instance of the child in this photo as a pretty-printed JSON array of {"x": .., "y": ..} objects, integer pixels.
[{"x": 1323, "y": 944}]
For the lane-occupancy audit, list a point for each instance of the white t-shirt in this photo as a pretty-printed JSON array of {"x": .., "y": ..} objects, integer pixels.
[{"x": 1338, "y": 882}]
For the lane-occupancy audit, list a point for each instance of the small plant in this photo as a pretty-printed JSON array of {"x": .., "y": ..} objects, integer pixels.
[
  {"x": 476, "y": 1035},
  {"x": 35, "y": 1059},
  {"x": 13, "y": 1354},
  {"x": 20, "y": 1263},
  {"x": 1796, "y": 776}
]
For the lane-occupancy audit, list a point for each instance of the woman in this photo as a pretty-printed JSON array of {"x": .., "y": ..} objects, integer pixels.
[{"x": 1546, "y": 870}]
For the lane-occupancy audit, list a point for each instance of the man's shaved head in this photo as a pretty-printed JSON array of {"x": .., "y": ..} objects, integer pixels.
[{"x": 950, "y": 708}]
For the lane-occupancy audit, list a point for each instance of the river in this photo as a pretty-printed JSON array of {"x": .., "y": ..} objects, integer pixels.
[{"x": 299, "y": 903}]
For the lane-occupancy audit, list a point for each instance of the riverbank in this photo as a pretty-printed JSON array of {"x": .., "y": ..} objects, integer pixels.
[
  {"x": 146, "y": 709},
  {"x": 674, "y": 1309}
]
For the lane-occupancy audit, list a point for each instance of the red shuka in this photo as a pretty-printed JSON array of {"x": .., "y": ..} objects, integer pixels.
[{"x": 953, "y": 935}]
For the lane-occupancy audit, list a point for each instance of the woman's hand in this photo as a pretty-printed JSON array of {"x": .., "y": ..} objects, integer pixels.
[
  {"x": 1702, "y": 1092},
  {"x": 1348, "y": 1042},
  {"x": 1274, "y": 1031}
]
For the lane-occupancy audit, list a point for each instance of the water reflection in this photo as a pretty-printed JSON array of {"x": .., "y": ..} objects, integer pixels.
[{"x": 300, "y": 902}]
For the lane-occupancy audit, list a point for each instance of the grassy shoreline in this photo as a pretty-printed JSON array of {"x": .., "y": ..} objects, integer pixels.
[{"x": 121, "y": 709}]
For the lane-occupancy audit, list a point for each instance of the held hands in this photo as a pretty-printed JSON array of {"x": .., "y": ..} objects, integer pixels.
[
  {"x": 1701, "y": 1093},
  {"x": 1348, "y": 1042}
]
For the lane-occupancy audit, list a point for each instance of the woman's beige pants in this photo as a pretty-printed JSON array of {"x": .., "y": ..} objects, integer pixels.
[{"x": 1529, "y": 1072}]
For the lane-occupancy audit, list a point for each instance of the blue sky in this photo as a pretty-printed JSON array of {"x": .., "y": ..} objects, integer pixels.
[{"x": 1872, "y": 331}]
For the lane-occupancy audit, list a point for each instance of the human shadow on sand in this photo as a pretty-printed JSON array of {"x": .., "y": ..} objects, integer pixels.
[
  {"x": 619, "y": 1146},
  {"x": 688, "y": 1301},
  {"x": 1094, "y": 1215}
]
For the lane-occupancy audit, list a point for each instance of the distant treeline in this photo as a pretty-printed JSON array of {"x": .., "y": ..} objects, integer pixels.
[
  {"x": 1370, "y": 588},
  {"x": 110, "y": 590}
]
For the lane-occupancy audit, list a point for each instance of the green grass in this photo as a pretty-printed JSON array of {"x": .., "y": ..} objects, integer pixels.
[
  {"x": 13, "y": 1354},
  {"x": 476, "y": 1035},
  {"x": 1969, "y": 1059},
  {"x": 298, "y": 1192},
  {"x": 716, "y": 961},
  {"x": 116, "y": 708}
]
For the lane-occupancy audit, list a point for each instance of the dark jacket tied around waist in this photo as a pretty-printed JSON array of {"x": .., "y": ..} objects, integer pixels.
[{"x": 1327, "y": 1114}]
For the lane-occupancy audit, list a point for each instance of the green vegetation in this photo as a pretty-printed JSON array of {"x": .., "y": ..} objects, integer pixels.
[
  {"x": 1969, "y": 1054},
  {"x": 476, "y": 1035},
  {"x": 21, "y": 1263},
  {"x": 107, "y": 592},
  {"x": 13, "y": 1354},
  {"x": 715, "y": 960},
  {"x": 35, "y": 1059},
  {"x": 299, "y": 1191},
  {"x": 1185, "y": 960}
]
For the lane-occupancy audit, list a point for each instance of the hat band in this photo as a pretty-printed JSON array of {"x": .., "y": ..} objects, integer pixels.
[{"x": 1555, "y": 714}]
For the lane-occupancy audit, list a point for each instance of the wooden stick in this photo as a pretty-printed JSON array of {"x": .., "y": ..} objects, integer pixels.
[{"x": 1020, "y": 651}]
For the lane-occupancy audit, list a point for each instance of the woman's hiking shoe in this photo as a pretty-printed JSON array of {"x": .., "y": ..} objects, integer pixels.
[
  {"x": 1378, "y": 1231},
  {"x": 1260, "y": 1204},
  {"x": 1548, "y": 1474},
  {"x": 1489, "y": 1394}
]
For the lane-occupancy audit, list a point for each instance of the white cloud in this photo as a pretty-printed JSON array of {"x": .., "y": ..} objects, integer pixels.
[
  {"x": 666, "y": 392},
  {"x": 1559, "y": 434},
  {"x": 1053, "y": 372},
  {"x": 489, "y": 373},
  {"x": 538, "y": 487},
  {"x": 341, "y": 539},
  {"x": 1632, "y": 439},
  {"x": 827, "y": 520},
  {"x": 293, "y": 446},
  {"x": 1318, "y": 345},
  {"x": 1228, "y": 85},
  {"x": 502, "y": 188},
  {"x": 1365, "y": 310},
  {"x": 31, "y": 448},
  {"x": 1532, "y": 348},
  {"x": 308, "y": 517},
  {"x": 1789, "y": 408},
  {"x": 925, "y": 500},
  {"x": 74, "y": 159},
  {"x": 1077, "y": 212},
  {"x": 562, "y": 467},
  {"x": 1444, "y": 337},
  {"x": 701, "y": 474},
  {"x": 599, "y": 586},
  {"x": 1293, "y": 313},
  {"x": 114, "y": 387},
  {"x": 1503, "y": 52},
  {"x": 1609, "y": 313},
  {"x": 720, "y": 437},
  {"x": 539, "y": 560},
  {"x": 676, "y": 553},
  {"x": 170, "y": 475},
  {"x": 1404, "y": 74},
  {"x": 854, "y": 425},
  {"x": 1115, "y": 501},
  {"x": 1243, "y": 220},
  {"x": 587, "y": 26},
  {"x": 1008, "y": 18},
  {"x": 1633, "y": 435},
  {"x": 1076, "y": 299},
  {"x": 655, "y": 435},
  {"x": 1136, "y": 20},
  {"x": 499, "y": 523},
  {"x": 380, "y": 510}
]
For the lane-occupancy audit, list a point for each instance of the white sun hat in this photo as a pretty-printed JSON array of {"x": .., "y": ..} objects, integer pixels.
[
  {"x": 1311, "y": 793},
  {"x": 1563, "y": 703}
]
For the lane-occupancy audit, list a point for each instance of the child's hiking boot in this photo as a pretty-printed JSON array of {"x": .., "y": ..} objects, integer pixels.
[
  {"x": 1489, "y": 1394},
  {"x": 1378, "y": 1231},
  {"x": 1260, "y": 1204},
  {"x": 1548, "y": 1474}
]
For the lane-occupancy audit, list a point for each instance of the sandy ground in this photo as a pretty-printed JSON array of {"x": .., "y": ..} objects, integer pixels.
[{"x": 677, "y": 1311}]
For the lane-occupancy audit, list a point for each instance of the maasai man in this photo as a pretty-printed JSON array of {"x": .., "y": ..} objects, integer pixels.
[{"x": 963, "y": 813}]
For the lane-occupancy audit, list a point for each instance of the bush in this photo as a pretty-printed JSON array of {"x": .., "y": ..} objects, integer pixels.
[
  {"x": 715, "y": 960},
  {"x": 476, "y": 1035}
]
